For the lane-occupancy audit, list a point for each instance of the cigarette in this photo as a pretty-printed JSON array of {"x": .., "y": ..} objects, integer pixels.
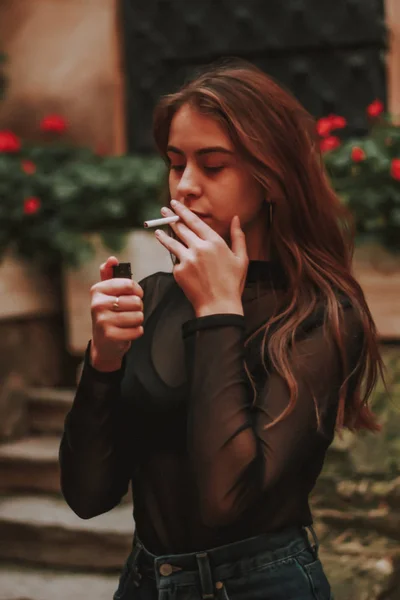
[{"x": 161, "y": 222}]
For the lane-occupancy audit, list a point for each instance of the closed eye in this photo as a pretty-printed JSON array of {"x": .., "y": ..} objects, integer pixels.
[{"x": 213, "y": 169}]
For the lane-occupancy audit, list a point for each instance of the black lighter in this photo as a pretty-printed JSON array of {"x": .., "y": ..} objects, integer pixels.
[{"x": 122, "y": 270}]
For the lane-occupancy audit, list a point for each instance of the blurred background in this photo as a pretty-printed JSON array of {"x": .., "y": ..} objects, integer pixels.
[{"x": 78, "y": 175}]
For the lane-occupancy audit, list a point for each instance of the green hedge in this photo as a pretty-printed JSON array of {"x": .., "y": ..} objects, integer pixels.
[{"x": 51, "y": 193}]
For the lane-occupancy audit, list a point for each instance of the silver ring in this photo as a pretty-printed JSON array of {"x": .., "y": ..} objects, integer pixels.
[{"x": 115, "y": 305}]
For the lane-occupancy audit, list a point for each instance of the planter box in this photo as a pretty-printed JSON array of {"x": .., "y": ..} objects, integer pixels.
[
  {"x": 25, "y": 291},
  {"x": 378, "y": 273},
  {"x": 142, "y": 250}
]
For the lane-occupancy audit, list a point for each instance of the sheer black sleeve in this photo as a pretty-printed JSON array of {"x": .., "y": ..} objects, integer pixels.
[
  {"x": 234, "y": 457},
  {"x": 94, "y": 465}
]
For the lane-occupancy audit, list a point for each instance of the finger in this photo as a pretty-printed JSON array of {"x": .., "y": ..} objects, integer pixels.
[
  {"x": 171, "y": 245},
  {"x": 106, "y": 271},
  {"x": 238, "y": 239},
  {"x": 119, "y": 286},
  {"x": 127, "y": 320},
  {"x": 121, "y": 334},
  {"x": 184, "y": 233},
  {"x": 125, "y": 303},
  {"x": 193, "y": 221},
  {"x": 130, "y": 303}
]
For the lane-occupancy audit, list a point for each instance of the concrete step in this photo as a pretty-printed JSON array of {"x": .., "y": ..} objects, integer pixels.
[
  {"x": 30, "y": 464},
  {"x": 47, "y": 409},
  {"x": 22, "y": 583},
  {"x": 45, "y": 531}
]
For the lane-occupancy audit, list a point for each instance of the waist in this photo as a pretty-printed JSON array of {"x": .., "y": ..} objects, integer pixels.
[{"x": 228, "y": 560}]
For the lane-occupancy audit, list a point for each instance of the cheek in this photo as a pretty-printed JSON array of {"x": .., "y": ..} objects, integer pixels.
[
  {"x": 236, "y": 196},
  {"x": 172, "y": 182},
  {"x": 253, "y": 194}
]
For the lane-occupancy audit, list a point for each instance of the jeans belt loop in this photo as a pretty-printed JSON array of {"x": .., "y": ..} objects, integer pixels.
[
  {"x": 206, "y": 580},
  {"x": 136, "y": 576},
  {"x": 315, "y": 546}
]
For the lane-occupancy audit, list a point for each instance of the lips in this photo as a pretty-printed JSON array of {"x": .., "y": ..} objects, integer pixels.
[{"x": 201, "y": 215}]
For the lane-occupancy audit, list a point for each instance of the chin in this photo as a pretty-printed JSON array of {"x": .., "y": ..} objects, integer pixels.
[
  {"x": 220, "y": 228},
  {"x": 226, "y": 235}
]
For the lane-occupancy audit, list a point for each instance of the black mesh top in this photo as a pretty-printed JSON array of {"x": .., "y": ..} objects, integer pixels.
[{"x": 181, "y": 422}]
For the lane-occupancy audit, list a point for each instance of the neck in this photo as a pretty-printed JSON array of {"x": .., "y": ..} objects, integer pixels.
[{"x": 257, "y": 251}]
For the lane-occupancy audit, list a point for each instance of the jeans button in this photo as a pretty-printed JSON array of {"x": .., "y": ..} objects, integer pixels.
[{"x": 166, "y": 569}]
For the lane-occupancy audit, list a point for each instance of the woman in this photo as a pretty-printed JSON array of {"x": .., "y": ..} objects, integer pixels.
[{"x": 220, "y": 401}]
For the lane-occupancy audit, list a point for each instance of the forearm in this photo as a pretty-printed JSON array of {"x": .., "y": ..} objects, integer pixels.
[
  {"x": 93, "y": 476},
  {"x": 221, "y": 437}
]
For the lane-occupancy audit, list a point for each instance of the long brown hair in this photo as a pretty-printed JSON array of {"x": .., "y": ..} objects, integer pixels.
[{"x": 312, "y": 233}]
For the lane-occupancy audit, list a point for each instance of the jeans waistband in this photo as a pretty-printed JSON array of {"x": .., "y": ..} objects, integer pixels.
[{"x": 223, "y": 561}]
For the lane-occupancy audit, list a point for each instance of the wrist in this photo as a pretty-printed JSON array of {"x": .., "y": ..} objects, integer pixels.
[
  {"x": 217, "y": 308},
  {"x": 102, "y": 364}
]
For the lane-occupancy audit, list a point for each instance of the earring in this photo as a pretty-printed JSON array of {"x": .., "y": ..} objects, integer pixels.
[{"x": 271, "y": 210}]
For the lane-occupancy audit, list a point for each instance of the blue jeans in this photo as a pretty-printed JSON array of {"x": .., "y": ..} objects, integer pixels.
[{"x": 280, "y": 566}]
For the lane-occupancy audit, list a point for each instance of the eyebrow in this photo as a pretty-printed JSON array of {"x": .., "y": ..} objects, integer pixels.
[{"x": 202, "y": 151}]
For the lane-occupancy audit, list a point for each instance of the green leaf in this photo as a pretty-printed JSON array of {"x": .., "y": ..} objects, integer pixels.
[
  {"x": 64, "y": 189},
  {"x": 396, "y": 217},
  {"x": 114, "y": 240}
]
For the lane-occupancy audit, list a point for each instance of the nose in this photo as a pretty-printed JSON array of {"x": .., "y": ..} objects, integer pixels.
[{"x": 189, "y": 184}]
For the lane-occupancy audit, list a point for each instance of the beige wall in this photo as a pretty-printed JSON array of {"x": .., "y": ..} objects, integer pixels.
[
  {"x": 393, "y": 22},
  {"x": 62, "y": 58}
]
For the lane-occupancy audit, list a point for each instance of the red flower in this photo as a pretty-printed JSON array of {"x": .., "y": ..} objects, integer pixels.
[
  {"x": 53, "y": 124},
  {"x": 9, "y": 142},
  {"x": 28, "y": 167},
  {"x": 375, "y": 109},
  {"x": 327, "y": 124},
  {"x": 31, "y": 205},
  {"x": 395, "y": 169},
  {"x": 357, "y": 154},
  {"x": 337, "y": 122},
  {"x": 329, "y": 143},
  {"x": 324, "y": 126}
]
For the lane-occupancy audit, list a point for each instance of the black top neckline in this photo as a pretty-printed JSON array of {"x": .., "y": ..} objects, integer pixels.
[{"x": 267, "y": 272}]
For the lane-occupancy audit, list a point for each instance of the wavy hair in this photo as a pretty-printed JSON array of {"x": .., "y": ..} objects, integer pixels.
[{"x": 312, "y": 234}]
